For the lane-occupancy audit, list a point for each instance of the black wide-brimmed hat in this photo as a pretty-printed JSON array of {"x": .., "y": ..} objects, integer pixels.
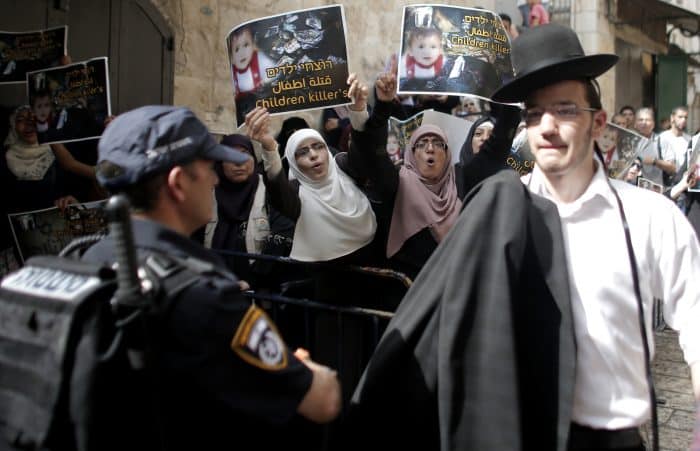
[{"x": 548, "y": 54}]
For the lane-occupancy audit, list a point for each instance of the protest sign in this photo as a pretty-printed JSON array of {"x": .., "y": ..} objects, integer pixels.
[
  {"x": 290, "y": 62},
  {"x": 70, "y": 102},
  {"x": 521, "y": 158},
  {"x": 650, "y": 185},
  {"x": 49, "y": 230},
  {"x": 22, "y": 52},
  {"x": 453, "y": 50},
  {"x": 402, "y": 131},
  {"x": 619, "y": 147}
]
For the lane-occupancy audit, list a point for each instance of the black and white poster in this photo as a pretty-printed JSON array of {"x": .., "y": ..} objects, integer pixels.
[
  {"x": 22, "y": 52},
  {"x": 70, "y": 103}
]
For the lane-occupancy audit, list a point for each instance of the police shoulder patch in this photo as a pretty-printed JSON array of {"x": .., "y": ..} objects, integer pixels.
[{"x": 258, "y": 342}]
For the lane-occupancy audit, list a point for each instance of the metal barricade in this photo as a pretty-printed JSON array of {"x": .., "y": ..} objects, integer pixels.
[{"x": 340, "y": 332}]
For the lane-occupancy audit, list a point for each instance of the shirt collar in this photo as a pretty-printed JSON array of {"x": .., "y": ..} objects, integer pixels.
[{"x": 598, "y": 189}]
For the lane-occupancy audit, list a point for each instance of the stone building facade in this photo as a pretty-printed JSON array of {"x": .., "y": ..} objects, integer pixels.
[{"x": 202, "y": 79}]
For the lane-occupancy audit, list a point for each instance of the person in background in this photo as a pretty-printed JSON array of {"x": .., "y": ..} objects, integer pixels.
[
  {"x": 619, "y": 120},
  {"x": 628, "y": 112},
  {"x": 334, "y": 122},
  {"x": 32, "y": 177},
  {"x": 538, "y": 14},
  {"x": 510, "y": 27},
  {"x": 658, "y": 161},
  {"x": 289, "y": 126},
  {"x": 245, "y": 221},
  {"x": 479, "y": 133}
]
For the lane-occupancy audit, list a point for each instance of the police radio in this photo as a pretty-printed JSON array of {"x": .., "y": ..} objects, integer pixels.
[{"x": 66, "y": 367}]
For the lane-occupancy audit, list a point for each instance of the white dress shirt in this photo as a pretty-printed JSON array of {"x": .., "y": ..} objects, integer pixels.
[
  {"x": 611, "y": 389},
  {"x": 676, "y": 145}
]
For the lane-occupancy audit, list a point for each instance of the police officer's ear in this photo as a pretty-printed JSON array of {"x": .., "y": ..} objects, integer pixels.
[{"x": 176, "y": 182}]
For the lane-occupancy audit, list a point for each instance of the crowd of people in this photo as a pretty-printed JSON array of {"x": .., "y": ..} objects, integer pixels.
[{"x": 481, "y": 246}]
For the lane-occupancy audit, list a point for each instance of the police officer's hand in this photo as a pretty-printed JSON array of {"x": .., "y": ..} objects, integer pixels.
[
  {"x": 358, "y": 93},
  {"x": 257, "y": 123},
  {"x": 386, "y": 85},
  {"x": 243, "y": 285}
]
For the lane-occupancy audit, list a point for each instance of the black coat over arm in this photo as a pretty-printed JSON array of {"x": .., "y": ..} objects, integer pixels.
[{"x": 480, "y": 354}]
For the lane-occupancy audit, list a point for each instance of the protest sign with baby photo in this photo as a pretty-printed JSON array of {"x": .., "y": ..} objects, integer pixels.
[
  {"x": 290, "y": 62},
  {"x": 453, "y": 50},
  {"x": 70, "y": 103}
]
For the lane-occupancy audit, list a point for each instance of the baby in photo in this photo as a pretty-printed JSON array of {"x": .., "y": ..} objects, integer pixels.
[
  {"x": 424, "y": 55},
  {"x": 249, "y": 65}
]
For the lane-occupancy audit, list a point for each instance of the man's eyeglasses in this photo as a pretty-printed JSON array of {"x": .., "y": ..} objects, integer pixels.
[
  {"x": 436, "y": 143},
  {"x": 317, "y": 146},
  {"x": 562, "y": 112}
]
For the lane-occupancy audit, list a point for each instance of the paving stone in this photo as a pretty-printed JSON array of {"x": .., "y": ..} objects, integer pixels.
[
  {"x": 670, "y": 368},
  {"x": 682, "y": 420},
  {"x": 673, "y": 383}
]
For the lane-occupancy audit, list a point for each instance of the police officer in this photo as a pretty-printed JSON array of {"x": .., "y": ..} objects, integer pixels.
[{"x": 224, "y": 375}]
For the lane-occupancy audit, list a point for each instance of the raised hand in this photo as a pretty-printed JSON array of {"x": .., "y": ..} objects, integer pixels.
[
  {"x": 358, "y": 92},
  {"x": 257, "y": 123},
  {"x": 386, "y": 84}
]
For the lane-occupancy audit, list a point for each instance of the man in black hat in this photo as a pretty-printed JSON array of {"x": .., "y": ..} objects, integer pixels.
[
  {"x": 619, "y": 240},
  {"x": 225, "y": 377}
]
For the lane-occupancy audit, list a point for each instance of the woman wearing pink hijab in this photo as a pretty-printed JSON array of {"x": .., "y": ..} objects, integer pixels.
[{"x": 418, "y": 202}]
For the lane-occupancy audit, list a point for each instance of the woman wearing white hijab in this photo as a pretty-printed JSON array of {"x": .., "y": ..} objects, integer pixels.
[
  {"x": 29, "y": 170},
  {"x": 334, "y": 218}
]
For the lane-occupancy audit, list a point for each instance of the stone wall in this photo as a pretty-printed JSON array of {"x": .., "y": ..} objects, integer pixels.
[{"x": 202, "y": 79}]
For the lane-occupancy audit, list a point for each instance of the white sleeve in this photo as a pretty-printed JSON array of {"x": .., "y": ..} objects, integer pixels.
[
  {"x": 272, "y": 163},
  {"x": 679, "y": 274}
]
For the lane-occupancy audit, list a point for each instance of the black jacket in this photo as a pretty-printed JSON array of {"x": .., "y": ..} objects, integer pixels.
[{"x": 480, "y": 353}]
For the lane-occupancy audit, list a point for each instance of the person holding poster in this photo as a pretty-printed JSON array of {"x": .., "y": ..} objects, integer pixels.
[
  {"x": 334, "y": 218},
  {"x": 29, "y": 169},
  {"x": 419, "y": 200}
]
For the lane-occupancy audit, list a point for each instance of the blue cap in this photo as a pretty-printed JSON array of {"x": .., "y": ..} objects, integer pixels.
[{"x": 153, "y": 139}]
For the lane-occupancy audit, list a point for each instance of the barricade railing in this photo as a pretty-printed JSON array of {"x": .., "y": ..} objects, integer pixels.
[{"x": 341, "y": 335}]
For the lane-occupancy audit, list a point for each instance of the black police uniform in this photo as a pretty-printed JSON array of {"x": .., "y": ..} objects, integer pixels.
[{"x": 224, "y": 377}]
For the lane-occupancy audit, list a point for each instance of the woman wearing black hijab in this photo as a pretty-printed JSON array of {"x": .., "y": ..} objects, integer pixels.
[
  {"x": 496, "y": 132},
  {"x": 245, "y": 221}
]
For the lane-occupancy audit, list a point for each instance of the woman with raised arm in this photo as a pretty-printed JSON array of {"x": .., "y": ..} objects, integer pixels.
[
  {"x": 419, "y": 201},
  {"x": 334, "y": 218}
]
